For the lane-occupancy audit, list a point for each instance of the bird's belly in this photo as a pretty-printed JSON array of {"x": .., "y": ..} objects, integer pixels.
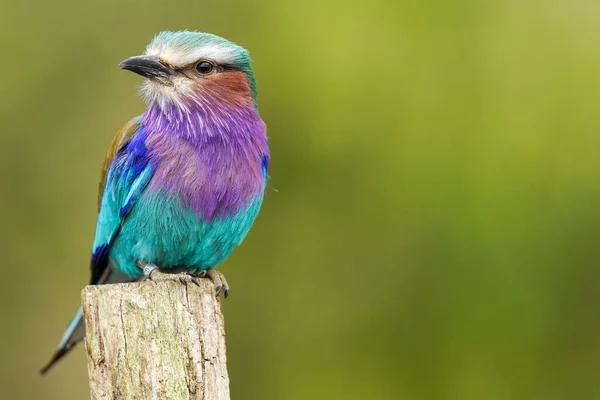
[{"x": 162, "y": 230}]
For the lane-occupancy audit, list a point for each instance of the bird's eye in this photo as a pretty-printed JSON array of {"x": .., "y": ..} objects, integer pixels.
[{"x": 204, "y": 67}]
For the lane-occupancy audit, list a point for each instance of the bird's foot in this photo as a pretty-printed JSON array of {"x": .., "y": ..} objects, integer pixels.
[
  {"x": 152, "y": 273},
  {"x": 217, "y": 278}
]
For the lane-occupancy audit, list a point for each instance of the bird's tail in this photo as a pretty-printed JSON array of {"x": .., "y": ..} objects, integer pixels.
[
  {"x": 76, "y": 330},
  {"x": 73, "y": 335}
]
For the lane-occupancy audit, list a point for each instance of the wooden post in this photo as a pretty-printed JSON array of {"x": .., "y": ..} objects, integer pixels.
[{"x": 155, "y": 340}]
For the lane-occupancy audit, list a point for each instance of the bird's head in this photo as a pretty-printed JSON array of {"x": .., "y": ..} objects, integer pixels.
[{"x": 185, "y": 68}]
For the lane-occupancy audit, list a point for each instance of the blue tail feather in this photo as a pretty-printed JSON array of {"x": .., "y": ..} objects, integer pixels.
[{"x": 74, "y": 334}]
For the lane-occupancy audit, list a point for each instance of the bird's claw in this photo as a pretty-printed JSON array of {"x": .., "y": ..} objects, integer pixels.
[
  {"x": 152, "y": 273},
  {"x": 194, "y": 280},
  {"x": 182, "y": 278},
  {"x": 219, "y": 280}
]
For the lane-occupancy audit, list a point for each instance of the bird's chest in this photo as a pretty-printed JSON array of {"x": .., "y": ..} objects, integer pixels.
[{"x": 213, "y": 179}]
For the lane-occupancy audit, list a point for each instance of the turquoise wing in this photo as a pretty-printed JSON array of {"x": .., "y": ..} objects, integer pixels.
[{"x": 127, "y": 175}]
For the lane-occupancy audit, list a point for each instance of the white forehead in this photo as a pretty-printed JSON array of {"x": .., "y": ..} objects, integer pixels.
[
  {"x": 184, "y": 48},
  {"x": 181, "y": 57}
]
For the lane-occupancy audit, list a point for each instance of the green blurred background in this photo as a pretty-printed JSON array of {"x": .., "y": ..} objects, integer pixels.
[{"x": 435, "y": 229}]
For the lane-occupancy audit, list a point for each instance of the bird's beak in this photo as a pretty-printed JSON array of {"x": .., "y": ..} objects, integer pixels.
[{"x": 149, "y": 67}]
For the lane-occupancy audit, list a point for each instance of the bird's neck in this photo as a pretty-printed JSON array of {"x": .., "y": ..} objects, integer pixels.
[{"x": 200, "y": 121}]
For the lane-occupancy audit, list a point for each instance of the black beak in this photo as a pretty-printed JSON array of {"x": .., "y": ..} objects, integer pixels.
[{"x": 149, "y": 67}]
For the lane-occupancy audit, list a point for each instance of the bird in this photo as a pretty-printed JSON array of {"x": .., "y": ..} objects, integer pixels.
[{"x": 182, "y": 183}]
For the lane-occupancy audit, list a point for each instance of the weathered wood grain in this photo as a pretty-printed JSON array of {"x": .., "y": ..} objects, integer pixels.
[{"x": 155, "y": 340}]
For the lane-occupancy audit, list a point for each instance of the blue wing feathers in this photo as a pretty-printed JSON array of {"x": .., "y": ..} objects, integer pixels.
[{"x": 128, "y": 175}]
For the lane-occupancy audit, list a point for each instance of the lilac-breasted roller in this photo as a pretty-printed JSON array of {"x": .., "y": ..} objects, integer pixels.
[{"x": 181, "y": 184}]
